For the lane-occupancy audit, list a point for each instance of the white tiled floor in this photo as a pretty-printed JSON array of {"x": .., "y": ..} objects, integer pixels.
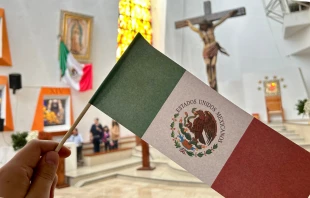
[{"x": 117, "y": 188}]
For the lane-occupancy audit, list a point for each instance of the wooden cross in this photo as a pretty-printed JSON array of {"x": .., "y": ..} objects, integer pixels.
[{"x": 209, "y": 16}]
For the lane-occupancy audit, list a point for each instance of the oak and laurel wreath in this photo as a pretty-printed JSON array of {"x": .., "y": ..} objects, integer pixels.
[{"x": 183, "y": 150}]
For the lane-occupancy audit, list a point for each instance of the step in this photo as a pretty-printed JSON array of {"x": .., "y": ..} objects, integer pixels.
[
  {"x": 297, "y": 140},
  {"x": 276, "y": 125},
  {"x": 278, "y": 128},
  {"x": 107, "y": 157},
  {"x": 154, "y": 154},
  {"x": 85, "y": 173},
  {"x": 290, "y": 135},
  {"x": 305, "y": 145}
]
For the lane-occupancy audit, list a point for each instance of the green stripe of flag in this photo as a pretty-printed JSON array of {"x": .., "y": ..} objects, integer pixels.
[
  {"x": 137, "y": 87},
  {"x": 63, "y": 50}
]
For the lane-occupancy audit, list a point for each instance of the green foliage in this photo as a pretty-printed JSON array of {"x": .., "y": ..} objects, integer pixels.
[
  {"x": 172, "y": 125},
  {"x": 172, "y": 134},
  {"x": 209, "y": 151},
  {"x": 187, "y": 135},
  {"x": 190, "y": 153},
  {"x": 300, "y": 106},
  {"x": 194, "y": 142},
  {"x": 19, "y": 140},
  {"x": 200, "y": 154},
  {"x": 177, "y": 144},
  {"x": 215, "y": 146},
  {"x": 176, "y": 115}
]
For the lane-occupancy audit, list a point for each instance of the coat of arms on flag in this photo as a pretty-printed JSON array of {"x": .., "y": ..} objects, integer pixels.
[{"x": 195, "y": 133}]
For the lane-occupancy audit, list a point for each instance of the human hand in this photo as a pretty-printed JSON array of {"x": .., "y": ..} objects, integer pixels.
[{"x": 32, "y": 171}]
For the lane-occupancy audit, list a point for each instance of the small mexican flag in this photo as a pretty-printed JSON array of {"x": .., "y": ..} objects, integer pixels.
[
  {"x": 75, "y": 74},
  {"x": 213, "y": 139}
]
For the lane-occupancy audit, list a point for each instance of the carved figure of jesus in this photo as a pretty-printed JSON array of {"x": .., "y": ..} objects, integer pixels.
[{"x": 211, "y": 46}]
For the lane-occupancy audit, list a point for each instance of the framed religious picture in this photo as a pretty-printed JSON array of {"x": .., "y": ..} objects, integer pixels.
[
  {"x": 56, "y": 113},
  {"x": 272, "y": 88},
  {"x": 76, "y": 32}
]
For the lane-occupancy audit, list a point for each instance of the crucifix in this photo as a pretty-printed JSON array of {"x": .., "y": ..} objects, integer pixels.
[{"x": 206, "y": 32}]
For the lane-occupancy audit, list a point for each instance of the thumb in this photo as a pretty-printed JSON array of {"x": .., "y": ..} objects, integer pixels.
[{"x": 44, "y": 176}]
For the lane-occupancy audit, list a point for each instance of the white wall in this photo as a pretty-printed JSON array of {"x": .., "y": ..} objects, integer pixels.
[
  {"x": 33, "y": 26},
  {"x": 159, "y": 23},
  {"x": 255, "y": 99},
  {"x": 254, "y": 43}
]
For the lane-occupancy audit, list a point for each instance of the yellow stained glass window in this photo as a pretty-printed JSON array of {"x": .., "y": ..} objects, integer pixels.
[{"x": 134, "y": 17}]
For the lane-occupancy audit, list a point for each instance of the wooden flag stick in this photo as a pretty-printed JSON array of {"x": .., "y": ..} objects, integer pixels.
[{"x": 68, "y": 134}]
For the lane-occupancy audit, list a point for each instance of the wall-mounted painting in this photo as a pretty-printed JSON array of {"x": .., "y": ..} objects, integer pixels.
[
  {"x": 272, "y": 87},
  {"x": 76, "y": 32},
  {"x": 54, "y": 111}
]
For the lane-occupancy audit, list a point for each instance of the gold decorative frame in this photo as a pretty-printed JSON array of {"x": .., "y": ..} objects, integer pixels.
[
  {"x": 76, "y": 32},
  {"x": 276, "y": 92}
]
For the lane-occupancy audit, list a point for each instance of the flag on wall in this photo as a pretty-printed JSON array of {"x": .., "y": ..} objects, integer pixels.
[
  {"x": 75, "y": 74},
  {"x": 213, "y": 139}
]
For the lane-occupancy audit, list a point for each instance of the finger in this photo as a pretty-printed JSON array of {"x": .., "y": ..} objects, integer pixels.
[
  {"x": 53, "y": 186},
  {"x": 30, "y": 154},
  {"x": 44, "y": 176}
]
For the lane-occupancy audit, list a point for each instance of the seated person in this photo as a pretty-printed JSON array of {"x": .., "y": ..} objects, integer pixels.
[{"x": 78, "y": 140}]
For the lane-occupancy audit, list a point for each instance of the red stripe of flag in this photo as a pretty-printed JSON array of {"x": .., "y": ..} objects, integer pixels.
[
  {"x": 265, "y": 164},
  {"x": 86, "y": 81}
]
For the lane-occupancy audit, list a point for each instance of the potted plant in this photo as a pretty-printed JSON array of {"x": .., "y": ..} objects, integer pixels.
[
  {"x": 303, "y": 107},
  {"x": 19, "y": 140}
]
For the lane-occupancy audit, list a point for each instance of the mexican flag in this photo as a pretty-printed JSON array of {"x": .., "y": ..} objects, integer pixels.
[
  {"x": 75, "y": 74},
  {"x": 193, "y": 125}
]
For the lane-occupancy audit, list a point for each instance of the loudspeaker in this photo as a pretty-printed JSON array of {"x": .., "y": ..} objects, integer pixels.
[
  {"x": 15, "y": 81},
  {"x": 1, "y": 125}
]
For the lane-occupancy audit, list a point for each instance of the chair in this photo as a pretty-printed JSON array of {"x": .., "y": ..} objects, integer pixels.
[{"x": 274, "y": 106}]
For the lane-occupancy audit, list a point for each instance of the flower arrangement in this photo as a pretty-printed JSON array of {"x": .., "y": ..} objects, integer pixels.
[
  {"x": 300, "y": 106},
  {"x": 50, "y": 117},
  {"x": 32, "y": 135},
  {"x": 307, "y": 107}
]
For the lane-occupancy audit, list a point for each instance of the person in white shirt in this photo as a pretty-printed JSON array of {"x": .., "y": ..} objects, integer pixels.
[{"x": 78, "y": 140}]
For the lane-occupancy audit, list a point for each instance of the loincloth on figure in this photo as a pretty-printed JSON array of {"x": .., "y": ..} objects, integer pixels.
[{"x": 212, "y": 50}]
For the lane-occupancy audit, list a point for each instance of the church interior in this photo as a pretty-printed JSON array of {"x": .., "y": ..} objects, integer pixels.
[{"x": 55, "y": 54}]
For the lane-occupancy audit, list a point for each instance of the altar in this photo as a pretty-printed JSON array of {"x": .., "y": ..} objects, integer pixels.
[{"x": 71, "y": 161}]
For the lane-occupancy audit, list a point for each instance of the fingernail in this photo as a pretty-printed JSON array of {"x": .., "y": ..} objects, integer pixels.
[{"x": 51, "y": 158}]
